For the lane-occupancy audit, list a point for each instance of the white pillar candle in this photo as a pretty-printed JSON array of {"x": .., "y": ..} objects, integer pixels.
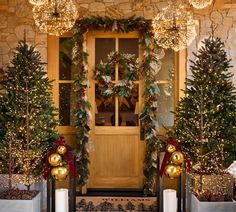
[
  {"x": 170, "y": 200},
  {"x": 61, "y": 200}
]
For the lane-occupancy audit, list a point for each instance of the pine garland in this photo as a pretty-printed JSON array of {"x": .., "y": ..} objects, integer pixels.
[{"x": 151, "y": 93}]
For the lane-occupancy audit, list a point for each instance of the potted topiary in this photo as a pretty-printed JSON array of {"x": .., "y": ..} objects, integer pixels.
[
  {"x": 27, "y": 128},
  {"x": 205, "y": 127}
]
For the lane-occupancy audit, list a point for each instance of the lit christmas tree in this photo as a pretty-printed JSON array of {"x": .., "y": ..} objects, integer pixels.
[
  {"x": 205, "y": 121},
  {"x": 27, "y": 115}
]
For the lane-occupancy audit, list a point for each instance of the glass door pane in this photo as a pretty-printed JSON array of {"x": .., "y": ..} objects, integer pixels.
[
  {"x": 129, "y": 109},
  {"x": 65, "y": 59},
  {"x": 128, "y": 46},
  {"x": 168, "y": 65},
  {"x": 66, "y": 104},
  {"x": 104, "y": 109},
  {"x": 166, "y": 105}
]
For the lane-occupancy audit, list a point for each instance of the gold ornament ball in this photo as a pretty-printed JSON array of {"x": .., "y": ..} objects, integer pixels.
[
  {"x": 177, "y": 158},
  {"x": 61, "y": 150},
  {"x": 54, "y": 159},
  {"x": 170, "y": 148},
  {"x": 59, "y": 173},
  {"x": 172, "y": 171}
]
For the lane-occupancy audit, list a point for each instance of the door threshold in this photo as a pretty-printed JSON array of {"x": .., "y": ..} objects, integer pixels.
[{"x": 111, "y": 192}]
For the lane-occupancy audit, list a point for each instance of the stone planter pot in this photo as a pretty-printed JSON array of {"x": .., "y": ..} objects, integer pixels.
[
  {"x": 33, "y": 205},
  {"x": 197, "y": 206}
]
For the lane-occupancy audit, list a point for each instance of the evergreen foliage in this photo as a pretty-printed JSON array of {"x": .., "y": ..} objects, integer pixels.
[
  {"x": 27, "y": 115},
  {"x": 205, "y": 121}
]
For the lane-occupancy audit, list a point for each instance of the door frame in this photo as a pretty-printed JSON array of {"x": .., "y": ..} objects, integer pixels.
[{"x": 53, "y": 73}]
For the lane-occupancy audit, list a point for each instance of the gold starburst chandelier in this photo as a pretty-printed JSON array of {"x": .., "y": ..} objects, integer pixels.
[
  {"x": 200, "y": 4},
  {"x": 37, "y": 2},
  {"x": 174, "y": 27},
  {"x": 55, "y": 17}
]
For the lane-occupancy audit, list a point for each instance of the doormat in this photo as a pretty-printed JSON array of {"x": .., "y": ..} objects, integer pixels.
[{"x": 131, "y": 204}]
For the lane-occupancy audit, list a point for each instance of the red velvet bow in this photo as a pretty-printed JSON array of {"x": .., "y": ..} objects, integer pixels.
[
  {"x": 167, "y": 155},
  {"x": 60, "y": 142}
]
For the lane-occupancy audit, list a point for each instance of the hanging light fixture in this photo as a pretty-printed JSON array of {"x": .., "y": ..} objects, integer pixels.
[
  {"x": 55, "y": 17},
  {"x": 200, "y": 4},
  {"x": 174, "y": 27},
  {"x": 37, "y": 2}
]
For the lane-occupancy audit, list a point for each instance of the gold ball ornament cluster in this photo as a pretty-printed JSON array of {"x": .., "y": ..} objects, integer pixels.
[
  {"x": 59, "y": 173},
  {"x": 173, "y": 169},
  {"x": 61, "y": 150},
  {"x": 54, "y": 159}
]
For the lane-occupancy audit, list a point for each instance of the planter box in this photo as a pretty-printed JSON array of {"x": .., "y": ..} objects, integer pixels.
[
  {"x": 197, "y": 206},
  {"x": 16, "y": 178},
  {"x": 21, "y": 205}
]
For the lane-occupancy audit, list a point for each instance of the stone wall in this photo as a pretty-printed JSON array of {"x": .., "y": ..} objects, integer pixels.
[{"x": 16, "y": 16}]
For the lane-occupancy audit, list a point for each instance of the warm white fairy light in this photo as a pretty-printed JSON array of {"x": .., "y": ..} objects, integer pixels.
[
  {"x": 200, "y": 4},
  {"x": 55, "y": 17},
  {"x": 37, "y": 2},
  {"x": 174, "y": 27}
]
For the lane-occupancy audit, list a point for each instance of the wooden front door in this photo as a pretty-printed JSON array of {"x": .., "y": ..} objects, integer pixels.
[{"x": 117, "y": 152}]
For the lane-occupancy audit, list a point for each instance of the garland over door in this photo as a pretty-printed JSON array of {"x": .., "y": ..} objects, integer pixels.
[{"x": 117, "y": 152}]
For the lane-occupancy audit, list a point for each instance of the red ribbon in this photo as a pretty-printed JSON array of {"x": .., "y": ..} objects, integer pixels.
[
  {"x": 60, "y": 142},
  {"x": 167, "y": 155}
]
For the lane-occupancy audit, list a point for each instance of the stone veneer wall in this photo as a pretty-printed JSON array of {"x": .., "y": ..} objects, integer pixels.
[{"x": 16, "y": 15}]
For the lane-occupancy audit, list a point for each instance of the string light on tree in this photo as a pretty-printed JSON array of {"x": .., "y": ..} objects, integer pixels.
[
  {"x": 37, "y": 2},
  {"x": 55, "y": 17},
  {"x": 205, "y": 119},
  {"x": 27, "y": 120},
  {"x": 174, "y": 27},
  {"x": 200, "y": 4}
]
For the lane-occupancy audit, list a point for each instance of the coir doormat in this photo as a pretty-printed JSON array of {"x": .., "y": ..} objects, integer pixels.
[{"x": 131, "y": 204}]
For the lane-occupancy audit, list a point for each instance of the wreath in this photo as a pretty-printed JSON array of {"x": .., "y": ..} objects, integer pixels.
[{"x": 104, "y": 70}]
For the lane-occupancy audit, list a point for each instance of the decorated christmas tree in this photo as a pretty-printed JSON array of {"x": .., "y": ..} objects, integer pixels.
[
  {"x": 27, "y": 115},
  {"x": 205, "y": 122}
]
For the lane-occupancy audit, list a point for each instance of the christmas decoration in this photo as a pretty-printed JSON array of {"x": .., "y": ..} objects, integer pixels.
[
  {"x": 200, "y": 4},
  {"x": 54, "y": 159},
  {"x": 37, "y": 2},
  {"x": 59, "y": 173},
  {"x": 177, "y": 158},
  {"x": 103, "y": 72},
  {"x": 170, "y": 148},
  {"x": 205, "y": 119},
  {"x": 27, "y": 115},
  {"x": 153, "y": 54},
  {"x": 55, "y": 17},
  {"x": 172, "y": 171},
  {"x": 61, "y": 150},
  {"x": 174, "y": 27},
  {"x": 59, "y": 162}
]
